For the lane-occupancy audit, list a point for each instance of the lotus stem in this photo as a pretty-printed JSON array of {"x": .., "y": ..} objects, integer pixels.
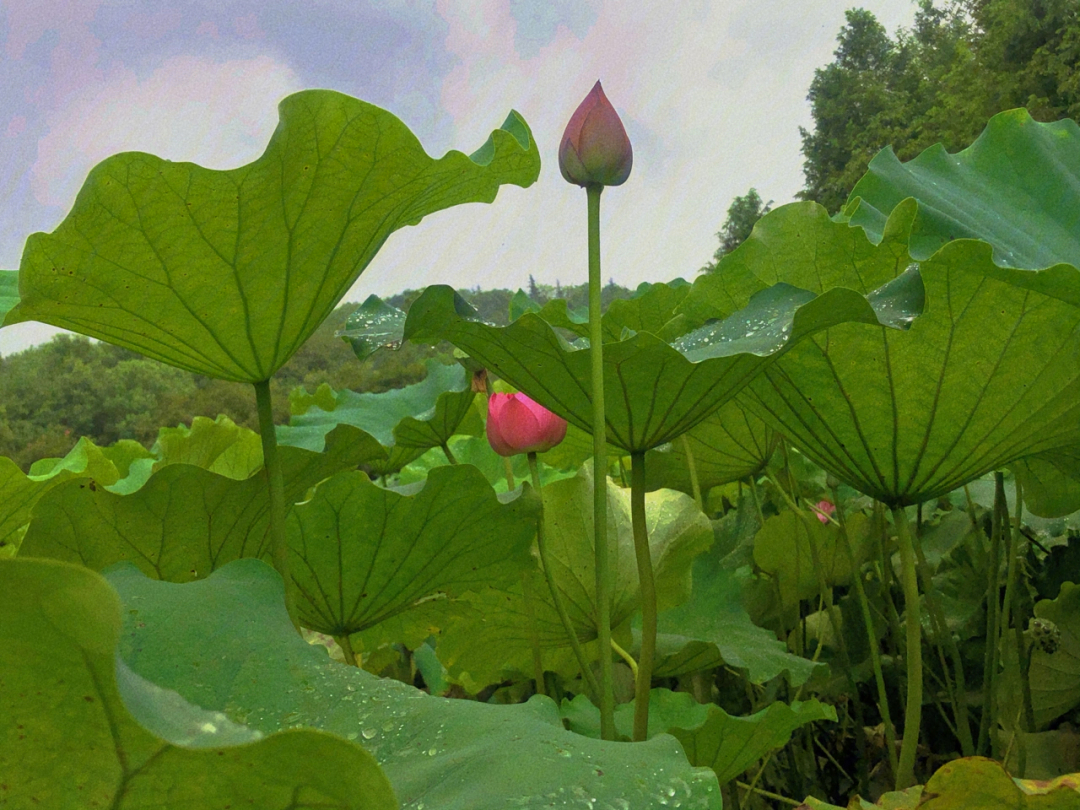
[
  {"x": 534, "y": 638},
  {"x": 556, "y": 594},
  {"x": 647, "y": 586},
  {"x": 627, "y": 657},
  {"x": 695, "y": 487},
  {"x": 944, "y": 640},
  {"x": 986, "y": 721},
  {"x": 604, "y": 585},
  {"x": 275, "y": 484},
  {"x": 871, "y": 636},
  {"x": 446, "y": 452},
  {"x": 347, "y": 650},
  {"x": 905, "y": 774},
  {"x": 1017, "y": 548}
]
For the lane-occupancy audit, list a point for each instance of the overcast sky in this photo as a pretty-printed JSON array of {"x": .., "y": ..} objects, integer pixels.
[{"x": 712, "y": 95}]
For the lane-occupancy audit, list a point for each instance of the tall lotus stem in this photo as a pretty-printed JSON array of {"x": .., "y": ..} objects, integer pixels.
[
  {"x": 556, "y": 594},
  {"x": 274, "y": 481},
  {"x": 648, "y": 596},
  {"x": 595, "y": 152},
  {"x": 987, "y": 721},
  {"x": 905, "y": 773},
  {"x": 604, "y": 584}
]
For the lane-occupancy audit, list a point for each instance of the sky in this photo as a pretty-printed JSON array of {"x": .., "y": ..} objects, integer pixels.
[{"x": 712, "y": 95}]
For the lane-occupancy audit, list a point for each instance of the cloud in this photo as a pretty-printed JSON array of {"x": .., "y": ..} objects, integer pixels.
[
  {"x": 712, "y": 95},
  {"x": 217, "y": 114}
]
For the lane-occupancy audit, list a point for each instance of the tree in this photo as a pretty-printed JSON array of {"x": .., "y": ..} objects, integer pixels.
[
  {"x": 937, "y": 82},
  {"x": 741, "y": 216}
]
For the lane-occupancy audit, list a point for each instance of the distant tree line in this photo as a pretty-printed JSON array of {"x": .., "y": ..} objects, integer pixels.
[
  {"x": 52, "y": 394},
  {"x": 939, "y": 81}
]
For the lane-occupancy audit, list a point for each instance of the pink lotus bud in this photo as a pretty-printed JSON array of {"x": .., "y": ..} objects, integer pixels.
[
  {"x": 594, "y": 148},
  {"x": 824, "y": 510},
  {"x": 516, "y": 424}
]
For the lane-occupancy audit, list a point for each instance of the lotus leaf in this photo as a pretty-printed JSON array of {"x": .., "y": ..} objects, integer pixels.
[
  {"x": 710, "y": 736},
  {"x": 9, "y": 291},
  {"x": 1014, "y": 187},
  {"x": 495, "y": 637},
  {"x": 185, "y": 521},
  {"x": 69, "y": 738},
  {"x": 987, "y": 374},
  {"x": 227, "y": 273},
  {"x": 654, "y": 392},
  {"x": 226, "y": 643},
  {"x": 363, "y": 554}
]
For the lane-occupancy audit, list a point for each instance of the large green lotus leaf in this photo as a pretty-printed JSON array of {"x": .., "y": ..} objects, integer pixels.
[
  {"x": 1015, "y": 187},
  {"x": 218, "y": 445},
  {"x": 653, "y": 391},
  {"x": 495, "y": 637},
  {"x": 363, "y": 554},
  {"x": 728, "y": 445},
  {"x": 225, "y": 643},
  {"x": 185, "y": 521},
  {"x": 651, "y": 309},
  {"x": 786, "y": 546},
  {"x": 416, "y": 417},
  {"x": 227, "y": 273},
  {"x": 713, "y": 628},
  {"x": 1051, "y": 482},
  {"x": 372, "y": 326},
  {"x": 1055, "y": 678},
  {"x": 710, "y": 736},
  {"x": 69, "y": 739},
  {"x": 9, "y": 291},
  {"x": 987, "y": 374},
  {"x": 19, "y": 491}
]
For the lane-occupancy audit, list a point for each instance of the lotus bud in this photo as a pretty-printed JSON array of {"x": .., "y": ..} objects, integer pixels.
[
  {"x": 516, "y": 424},
  {"x": 594, "y": 149},
  {"x": 824, "y": 510}
]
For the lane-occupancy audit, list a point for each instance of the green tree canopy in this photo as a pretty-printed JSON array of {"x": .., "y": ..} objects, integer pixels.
[
  {"x": 741, "y": 216},
  {"x": 937, "y": 82}
]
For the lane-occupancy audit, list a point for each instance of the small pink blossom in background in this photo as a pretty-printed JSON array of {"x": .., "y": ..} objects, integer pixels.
[
  {"x": 517, "y": 424},
  {"x": 824, "y": 509}
]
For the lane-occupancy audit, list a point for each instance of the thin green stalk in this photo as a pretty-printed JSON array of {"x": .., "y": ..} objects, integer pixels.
[
  {"x": 446, "y": 452},
  {"x": 905, "y": 774},
  {"x": 944, "y": 639},
  {"x": 695, "y": 487},
  {"x": 556, "y": 594},
  {"x": 1017, "y": 551},
  {"x": 534, "y": 638},
  {"x": 604, "y": 584},
  {"x": 278, "y": 543},
  {"x": 508, "y": 468},
  {"x": 347, "y": 649},
  {"x": 986, "y": 721},
  {"x": 871, "y": 636},
  {"x": 625, "y": 656},
  {"x": 648, "y": 596},
  {"x": 757, "y": 500}
]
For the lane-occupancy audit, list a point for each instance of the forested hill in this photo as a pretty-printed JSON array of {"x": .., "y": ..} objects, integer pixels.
[{"x": 52, "y": 394}]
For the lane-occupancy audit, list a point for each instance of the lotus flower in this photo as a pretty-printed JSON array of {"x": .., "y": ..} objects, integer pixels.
[
  {"x": 516, "y": 424},
  {"x": 594, "y": 148},
  {"x": 824, "y": 510}
]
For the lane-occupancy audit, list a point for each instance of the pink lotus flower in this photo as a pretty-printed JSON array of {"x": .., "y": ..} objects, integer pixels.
[
  {"x": 516, "y": 424},
  {"x": 824, "y": 510},
  {"x": 594, "y": 148}
]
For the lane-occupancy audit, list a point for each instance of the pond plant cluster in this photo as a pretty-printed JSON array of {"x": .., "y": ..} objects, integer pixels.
[{"x": 803, "y": 532}]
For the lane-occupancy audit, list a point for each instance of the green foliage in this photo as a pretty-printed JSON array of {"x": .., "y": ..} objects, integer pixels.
[
  {"x": 449, "y": 754},
  {"x": 227, "y": 273},
  {"x": 364, "y": 553},
  {"x": 69, "y": 738},
  {"x": 937, "y": 82},
  {"x": 742, "y": 214}
]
